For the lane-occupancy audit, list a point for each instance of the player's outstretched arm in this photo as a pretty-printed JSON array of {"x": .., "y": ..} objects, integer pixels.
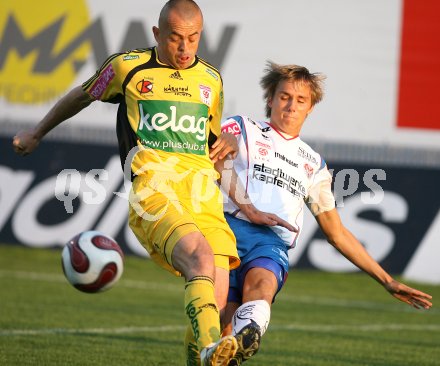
[
  {"x": 26, "y": 141},
  {"x": 346, "y": 243}
]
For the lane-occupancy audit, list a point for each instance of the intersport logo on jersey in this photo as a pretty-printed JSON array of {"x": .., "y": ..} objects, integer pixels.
[{"x": 179, "y": 132}]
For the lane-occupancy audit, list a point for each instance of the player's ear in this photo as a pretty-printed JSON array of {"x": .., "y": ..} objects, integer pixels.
[
  {"x": 310, "y": 110},
  {"x": 156, "y": 33},
  {"x": 269, "y": 102}
]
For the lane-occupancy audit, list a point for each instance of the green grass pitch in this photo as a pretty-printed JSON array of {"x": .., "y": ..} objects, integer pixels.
[{"x": 319, "y": 319}]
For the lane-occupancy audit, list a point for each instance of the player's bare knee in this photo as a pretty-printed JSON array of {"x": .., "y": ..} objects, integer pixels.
[
  {"x": 260, "y": 288},
  {"x": 201, "y": 259},
  {"x": 194, "y": 257}
]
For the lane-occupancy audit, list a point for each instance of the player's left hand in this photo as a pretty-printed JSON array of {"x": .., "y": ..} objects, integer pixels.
[
  {"x": 225, "y": 144},
  {"x": 413, "y": 297}
]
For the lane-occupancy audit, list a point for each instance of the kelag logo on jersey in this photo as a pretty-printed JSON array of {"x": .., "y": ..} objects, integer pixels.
[{"x": 173, "y": 126}]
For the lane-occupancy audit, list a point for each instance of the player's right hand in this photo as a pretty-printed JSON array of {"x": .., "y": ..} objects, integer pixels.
[
  {"x": 265, "y": 218},
  {"x": 25, "y": 142}
]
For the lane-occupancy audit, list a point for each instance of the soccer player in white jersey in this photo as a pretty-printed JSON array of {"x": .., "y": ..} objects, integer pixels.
[{"x": 276, "y": 172}]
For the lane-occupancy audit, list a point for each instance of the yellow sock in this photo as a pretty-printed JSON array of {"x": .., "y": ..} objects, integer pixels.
[
  {"x": 202, "y": 311},
  {"x": 191, "y": 351}
]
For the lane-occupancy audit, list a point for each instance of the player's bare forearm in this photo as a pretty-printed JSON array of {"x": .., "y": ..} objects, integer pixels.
[
  {"x": 68, "y": 106},
  {"x": 357, "y": 254},
  {"x": 232, "y": 185},
  {"x": 26, "y": 141},
  {"x": 347, "y": 244}
]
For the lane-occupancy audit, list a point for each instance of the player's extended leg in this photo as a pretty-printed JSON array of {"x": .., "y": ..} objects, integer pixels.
[
  {"x": 182, "y": 240},
  {"x": 221, "y": 292},
  {"x": 251, "y": 319},
  {"x": 194, "y": 258}
]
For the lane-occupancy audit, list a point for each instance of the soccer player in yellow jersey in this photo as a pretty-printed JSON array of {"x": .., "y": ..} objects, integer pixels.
[{"x": 168, "y": 125}]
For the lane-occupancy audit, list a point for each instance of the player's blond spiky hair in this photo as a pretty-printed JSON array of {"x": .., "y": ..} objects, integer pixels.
[{"x": 275, "y": 73}]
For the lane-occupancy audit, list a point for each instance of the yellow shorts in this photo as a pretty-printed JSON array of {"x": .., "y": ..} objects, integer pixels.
[{"x": 162, "y": 212}]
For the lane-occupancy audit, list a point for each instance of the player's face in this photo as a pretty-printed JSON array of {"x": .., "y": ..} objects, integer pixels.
[
  {"x": 178, "y": 40},
  {"x": 290, "y": 106}
]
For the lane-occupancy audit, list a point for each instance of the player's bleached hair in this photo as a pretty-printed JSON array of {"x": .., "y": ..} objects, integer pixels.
[{"x": 275, "y": 73}]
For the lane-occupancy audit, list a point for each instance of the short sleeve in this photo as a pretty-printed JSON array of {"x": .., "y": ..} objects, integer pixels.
[
  {"x": 106, "y": 84},
  {"x": 235, "y": 125},
  {"x": 320, "y": 198}
]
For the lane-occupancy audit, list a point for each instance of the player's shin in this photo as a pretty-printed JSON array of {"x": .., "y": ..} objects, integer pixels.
[{"x": 202, "y": 311}]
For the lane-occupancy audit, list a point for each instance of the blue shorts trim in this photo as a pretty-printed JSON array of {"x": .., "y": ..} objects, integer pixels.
[
  {"x": 258, "y": 246},
  {"x": 237, "y": 277}
]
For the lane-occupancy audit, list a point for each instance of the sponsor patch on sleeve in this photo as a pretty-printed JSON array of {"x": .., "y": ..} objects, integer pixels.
[
  {"x": 232, "y": 127},
  {"x": 102, "y": 82}
]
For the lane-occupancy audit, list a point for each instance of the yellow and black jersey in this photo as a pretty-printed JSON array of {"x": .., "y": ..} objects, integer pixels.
[{"x": 170, "y": 115}]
